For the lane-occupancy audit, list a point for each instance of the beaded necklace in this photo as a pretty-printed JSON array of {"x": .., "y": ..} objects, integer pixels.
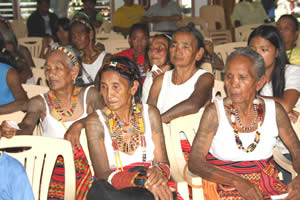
[
  {"x": 57, "y": 107},
  {"x": 238, "y": 141},
  {"x": 253, "y": 123},
  {"x": 117, "y": 131},
  {"x": 91, "y": 58}
]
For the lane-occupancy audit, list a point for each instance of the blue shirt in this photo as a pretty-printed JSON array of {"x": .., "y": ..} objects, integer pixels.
[
  {"x": 6, "y": 96},
  {"x": 14, "y": 183}
]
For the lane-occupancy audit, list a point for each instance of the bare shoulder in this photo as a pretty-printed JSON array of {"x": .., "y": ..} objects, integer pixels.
[
  {"x": 36, "y": 104},
  {"x": 206, "y": 78},
  {"x": 158, "y": 80},
  {"x": 153, "y": 112}
]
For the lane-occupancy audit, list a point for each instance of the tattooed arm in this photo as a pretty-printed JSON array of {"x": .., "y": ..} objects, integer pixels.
[
  {"x": 197, "y": 162},
  {"x": 290, "y": 139},
  {"x": 34, "y": 109}
]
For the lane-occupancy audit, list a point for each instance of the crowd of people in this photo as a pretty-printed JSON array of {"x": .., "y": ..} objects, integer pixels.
[{"x": 121, "y": 101}]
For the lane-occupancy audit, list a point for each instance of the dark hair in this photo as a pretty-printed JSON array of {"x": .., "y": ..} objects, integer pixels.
[
  {"x": 168, "y": 37},
  {"x": 5, "y": 56},
  {"x": 4, "y": 21},
  {"x": 139, "y": 26},
  {"x": 293, "y": 19},
  {"x": 88, "y": 27},
  {"x": 40, "y": 1},
  {"x": 190, "y": 28},
  {"x": 93, "y": 1},
  {"x": 273, "y": 35},
  {"x": 61, "y": 22},
  {"x": 128, "y": 69}
]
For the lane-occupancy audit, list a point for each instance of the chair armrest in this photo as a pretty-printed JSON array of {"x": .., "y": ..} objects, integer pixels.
[{"x": 283, "y": 162}]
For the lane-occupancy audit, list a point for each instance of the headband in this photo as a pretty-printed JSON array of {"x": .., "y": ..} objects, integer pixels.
[
  {"x": 118, "y": 65},
  {"x": 83, "y": 22},
  {"x": 67, "y": 53}
]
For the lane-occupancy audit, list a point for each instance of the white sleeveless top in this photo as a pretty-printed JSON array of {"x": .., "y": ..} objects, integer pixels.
[
  {"x": 52, "y": 127},
  {"x": 171, "y": 94},
  {"x": 93, "y": 68},
  {"x": 224, "y": 146},
  {"x": 137, "y": 156}
]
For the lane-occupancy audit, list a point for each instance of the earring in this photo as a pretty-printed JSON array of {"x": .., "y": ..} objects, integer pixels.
[
  {"x": 133, "y": 101},
  {"x": 256, "y": 101}
]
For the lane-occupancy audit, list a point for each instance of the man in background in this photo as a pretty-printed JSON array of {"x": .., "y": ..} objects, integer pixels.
[
  {"x": 126, "y": 16},
  {"x": 41, "y": 22},
  {"x": 163, "y": 15}
]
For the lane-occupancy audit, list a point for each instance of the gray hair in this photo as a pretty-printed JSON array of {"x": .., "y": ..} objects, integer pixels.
[{"x": 253, "y": 56}]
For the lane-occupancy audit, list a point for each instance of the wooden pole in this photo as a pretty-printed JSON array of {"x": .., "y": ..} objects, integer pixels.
[{"x": 16, "y": 9}]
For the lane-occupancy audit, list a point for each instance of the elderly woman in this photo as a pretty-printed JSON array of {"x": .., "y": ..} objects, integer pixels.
[
  {"x": 125, "y": 139},
  {"x": 236, "y": 136},
  {"x": 57, "y": 110},
  {"x": 288, "y": 26},
  {"x": 159, "y": 60},
  {"x": 186, "y": 88},
  {"x": 83, "y": 37}
]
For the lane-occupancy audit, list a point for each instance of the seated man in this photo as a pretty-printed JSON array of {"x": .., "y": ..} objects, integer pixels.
[
  {"x": 248, "y": 12},
  {"x": 126, "y": 16},
  {"x": 163, "y": 15},
  {"x": 41, "y": 22}
]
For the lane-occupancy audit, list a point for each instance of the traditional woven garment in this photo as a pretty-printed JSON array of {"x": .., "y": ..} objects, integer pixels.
[
  {"x": 83, "y": 177},
  {"x": 261, "y": 172}
]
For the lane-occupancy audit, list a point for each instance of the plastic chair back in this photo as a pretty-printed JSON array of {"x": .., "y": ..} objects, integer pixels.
[
  {"x": 224, "y": 50},
  {"x": 34, "y": 44},
  {"x": 39, "y": 158}
]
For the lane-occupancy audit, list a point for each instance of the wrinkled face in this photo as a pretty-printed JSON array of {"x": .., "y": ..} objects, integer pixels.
[
  {"x": 139, "y": 41},
  {"x": 43, "y": 8},
  {"x": 288, "y": 31},
  {"x": 63, "y": 36},
  {"x": 158, "y": 51},
  {"x": 266, "y": 49},
  {"x": 80, "y": 38},
  {"x": 57, "y": 71},
  {"x": 240, "y": 80},
  {"x": 116, "y": 90},
  {"x": 183, "y": 50}
]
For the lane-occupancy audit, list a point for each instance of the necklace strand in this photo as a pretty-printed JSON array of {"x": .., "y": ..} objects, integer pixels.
[
  {"x": 117, "y": 131},
  {"x": 253, "y": 123},
  {"x": 238, "y": 141}
]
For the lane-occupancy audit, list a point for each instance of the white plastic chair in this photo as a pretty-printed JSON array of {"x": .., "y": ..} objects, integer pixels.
[
  {"x": 39, "y": 76},
  {"x": 19, "y": 27},
  {"x": 39, "y": 161},
  {"x": 242, "y": 32},
  {"x": 219, "y": 87},
  {"x": 115, "y": 46},
  {"x": 34, "y": 90},
  {"x": 39, "y": 62},
  {"x": 189, "y": 126},
  {"x": 84, "y": 145},
  {"x": 34, "y": 44}
]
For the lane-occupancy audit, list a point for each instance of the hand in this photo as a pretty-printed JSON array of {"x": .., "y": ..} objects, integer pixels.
[
  {"x": 293, "y": 115},
  {"x": 249, "y": 190},
  {"x": 156, "y": 74},
  {"x": 7, "y": 131},
  {"x": 157, "y": 184},
  {"x": 46, "y": 41},
  {"x": 293, "y": 189},
  {"x": 73, "y": 135}
]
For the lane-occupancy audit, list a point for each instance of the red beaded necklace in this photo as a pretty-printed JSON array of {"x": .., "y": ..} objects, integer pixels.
[
  {"x": 55, "y": 103},
  {"x": 234, "y": 116}
]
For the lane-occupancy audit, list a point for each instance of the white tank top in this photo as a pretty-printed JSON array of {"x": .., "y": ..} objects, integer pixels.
[
  {"x": 137, "y": 156},
  {"x": 93, "y": 68},
  {"x": 52, "y": 127},
  {"x": 171, "y": 94},
  {"x": 224, "y": 146}
]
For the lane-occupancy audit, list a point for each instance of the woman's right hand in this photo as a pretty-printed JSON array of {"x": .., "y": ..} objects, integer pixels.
[
  {"x": 7, "y": 131},
  {"x": 248, "y": 190},
  {"x": 73, "y": 135}
]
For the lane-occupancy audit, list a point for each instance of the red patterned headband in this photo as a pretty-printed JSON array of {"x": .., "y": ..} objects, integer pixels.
[
  {"x": 67, "y": 52},
  {"x": 83, "y": 22},
  {"x": 119, "y": 66}
]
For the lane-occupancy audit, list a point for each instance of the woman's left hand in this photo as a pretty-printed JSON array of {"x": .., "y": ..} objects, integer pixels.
[
  {"x": 294, "y": 189},
  {"x": 293, "y": 115}
]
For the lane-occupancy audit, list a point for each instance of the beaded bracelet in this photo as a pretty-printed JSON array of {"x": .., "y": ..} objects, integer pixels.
[{"x": 164, "y": 168}]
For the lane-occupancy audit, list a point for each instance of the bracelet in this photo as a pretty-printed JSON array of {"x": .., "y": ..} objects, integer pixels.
[{"x": 164, "y": 168}]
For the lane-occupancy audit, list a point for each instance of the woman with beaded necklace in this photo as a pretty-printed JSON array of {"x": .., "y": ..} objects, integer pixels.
[
  {"x": 234, "y": 143},
  {"x": 83, "y": 37},
  {"x": 125, "y": 139},
  {"x": 57, "y": 110}
]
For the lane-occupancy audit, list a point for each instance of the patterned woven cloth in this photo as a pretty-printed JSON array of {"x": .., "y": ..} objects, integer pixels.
[{"x": 83, "y": 177}]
